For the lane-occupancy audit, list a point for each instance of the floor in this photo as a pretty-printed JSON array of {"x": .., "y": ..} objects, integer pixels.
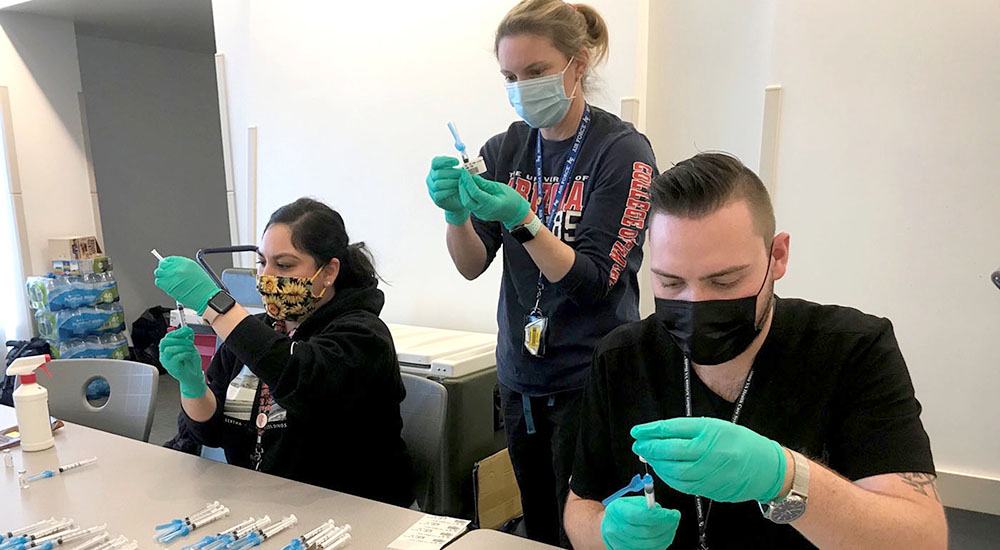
[{"x": 966, "y": 530}]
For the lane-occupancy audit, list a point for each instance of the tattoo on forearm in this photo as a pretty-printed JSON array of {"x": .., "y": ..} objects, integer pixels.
[{"x": 921, "y": 483}]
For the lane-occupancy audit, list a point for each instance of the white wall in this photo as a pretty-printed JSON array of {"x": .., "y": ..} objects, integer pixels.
[
  {"x": 153, "y": 120},
  {"x": 708, "y": 63},
  {"x": 887, "y": 171},
  {"x": 351, "y": 101},
  {"x": 38, "y": 64}
]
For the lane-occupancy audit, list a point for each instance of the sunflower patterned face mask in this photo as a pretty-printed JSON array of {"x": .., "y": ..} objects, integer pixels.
[{"x": 288, "y": 298}]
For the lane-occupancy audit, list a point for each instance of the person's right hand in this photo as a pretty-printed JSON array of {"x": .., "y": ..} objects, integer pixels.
[
  {"x": 629, "y": 525},
  {"x": 442, "y": 184},
  {"x": 179, "y": 356}
]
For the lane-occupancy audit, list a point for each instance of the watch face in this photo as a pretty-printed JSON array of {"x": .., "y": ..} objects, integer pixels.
[
  {"x": 521, "y": 234},
  {"x": 222, "y": 302},
  {"x": 788, "y": 510}
]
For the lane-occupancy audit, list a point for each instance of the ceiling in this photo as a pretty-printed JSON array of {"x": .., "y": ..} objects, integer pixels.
[{"x": 178, "y": 24}]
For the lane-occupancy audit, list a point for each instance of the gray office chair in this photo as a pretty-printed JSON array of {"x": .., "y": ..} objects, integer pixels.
[
  {"x": 424, "y": 412},
  {"x": 128, "y": 410}
]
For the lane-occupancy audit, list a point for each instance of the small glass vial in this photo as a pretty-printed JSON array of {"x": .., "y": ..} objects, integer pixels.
[
  {"x": 8, "y": 459},
  {"x": 22, "y": 479}
]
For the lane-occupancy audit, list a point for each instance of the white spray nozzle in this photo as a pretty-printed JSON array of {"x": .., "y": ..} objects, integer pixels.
[{"x": 25, "y": 366}]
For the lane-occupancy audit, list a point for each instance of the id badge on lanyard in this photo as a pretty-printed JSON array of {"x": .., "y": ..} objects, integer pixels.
[
  {"x": 536, "y": 323},
  {"x": 536, "y": 328}
]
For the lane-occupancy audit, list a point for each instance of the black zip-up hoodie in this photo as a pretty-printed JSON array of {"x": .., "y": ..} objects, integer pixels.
[{"x": 336, "y": 388}]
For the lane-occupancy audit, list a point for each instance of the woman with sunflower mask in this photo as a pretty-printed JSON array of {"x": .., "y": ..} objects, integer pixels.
[{"x": 318, "y": 368}]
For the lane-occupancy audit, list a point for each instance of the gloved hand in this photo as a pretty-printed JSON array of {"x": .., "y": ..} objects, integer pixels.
[
  {"x": 185, "y": 281},
  {"x": 712, "y": 458},
  {"x": 442, "y": 184},
  {"x": 629, "y": 525},
  {"x": 179, "y": 356},
  {"x": 492, "y": 201}
]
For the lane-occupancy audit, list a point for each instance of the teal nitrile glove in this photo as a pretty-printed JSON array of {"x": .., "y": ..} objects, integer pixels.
[
  {"x": 442, "y": 184},
  {"x": 712, "y": 458},
  {"x": 179, "y": 356},
  {"x": 492, "y": 201},
  {"x": 185, "y": 281},
  {"x": 629, "y": 525}
]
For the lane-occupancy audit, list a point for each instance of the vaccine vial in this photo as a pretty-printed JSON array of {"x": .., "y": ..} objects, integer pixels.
[
  {"x": 22, "y": 479},
  {"x": 475, "y": 166},
  {"x": 8, "y": 459}
]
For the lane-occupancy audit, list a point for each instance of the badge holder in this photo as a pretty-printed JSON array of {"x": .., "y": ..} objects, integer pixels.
[{"x": 536, "y": 328}]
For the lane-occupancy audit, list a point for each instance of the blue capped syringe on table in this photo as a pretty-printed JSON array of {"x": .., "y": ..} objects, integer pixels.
[
  {"x": 475, "y": 166},
  {"x": 65, "y": 468}
]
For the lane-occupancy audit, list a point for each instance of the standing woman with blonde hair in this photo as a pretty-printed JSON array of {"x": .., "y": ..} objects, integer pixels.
[{"x": 565, "y": 197}]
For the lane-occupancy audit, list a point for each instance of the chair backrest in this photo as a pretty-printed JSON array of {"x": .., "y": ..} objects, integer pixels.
[
  {"x": 129, "y": 408},
  {"x": 424, "y": 413},
  {"x": 242, "y": 285}
]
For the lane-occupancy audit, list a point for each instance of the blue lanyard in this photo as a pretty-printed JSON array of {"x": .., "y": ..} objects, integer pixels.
[{"x": 567, "y": 171}]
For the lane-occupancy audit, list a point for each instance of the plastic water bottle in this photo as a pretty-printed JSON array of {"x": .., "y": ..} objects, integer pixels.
[
  {"x": 115, "y": 345},
  {"x": 60, "y": 294},
  {"x": 45, "y": 322},
  {"x": 39, "y": 289},
  {"x": 107, "y": 287},
  {"x": 72, "y": 349}
]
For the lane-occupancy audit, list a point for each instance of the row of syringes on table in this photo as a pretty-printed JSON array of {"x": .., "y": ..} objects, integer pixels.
[
  {"x": 51, "y": 533},
  {"x": 252, "y": 532}
]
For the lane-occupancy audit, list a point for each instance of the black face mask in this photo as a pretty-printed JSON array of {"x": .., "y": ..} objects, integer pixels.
[{"x": 712, "y": 332}]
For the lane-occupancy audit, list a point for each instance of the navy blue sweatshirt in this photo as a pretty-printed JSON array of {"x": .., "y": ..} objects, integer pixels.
[{"x": 602, "y": 217}]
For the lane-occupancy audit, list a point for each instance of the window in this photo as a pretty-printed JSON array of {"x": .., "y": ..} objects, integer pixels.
[{"x": 14, "y": 322}]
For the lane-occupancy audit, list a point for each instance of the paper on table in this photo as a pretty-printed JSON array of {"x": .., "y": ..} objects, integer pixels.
[{"x": 430, "y": 533}]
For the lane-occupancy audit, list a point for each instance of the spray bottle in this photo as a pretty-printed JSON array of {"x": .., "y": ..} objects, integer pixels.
[{"x": 31, "y": 403}]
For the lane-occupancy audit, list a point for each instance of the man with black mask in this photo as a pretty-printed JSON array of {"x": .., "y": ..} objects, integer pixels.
[{"x": 767, "y": 422}]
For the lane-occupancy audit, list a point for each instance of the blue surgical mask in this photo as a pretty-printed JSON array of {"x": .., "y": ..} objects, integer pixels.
[{"x": 541, "y": 101}]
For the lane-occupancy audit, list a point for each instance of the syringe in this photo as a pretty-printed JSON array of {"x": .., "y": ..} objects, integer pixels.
[
  {"x": 180, "y": 307},
  {"x": 458, "y": 142},
  {"x": 61, "y": 469},
  {"x": 475, "y": 166},
  {"x": 647, "y": 486}
]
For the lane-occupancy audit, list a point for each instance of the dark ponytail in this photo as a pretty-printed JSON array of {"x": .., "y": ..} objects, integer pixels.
[{"x": 319, "y": 231}]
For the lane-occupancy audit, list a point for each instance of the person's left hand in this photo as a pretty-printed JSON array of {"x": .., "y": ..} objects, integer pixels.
[
  {"x": 492, "y": 201},
  {"x": 712, "y": 458},
  {"x": 185, "y": 281}
]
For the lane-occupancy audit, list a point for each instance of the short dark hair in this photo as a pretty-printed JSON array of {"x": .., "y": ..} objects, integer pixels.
[
  {"x": 706, "y": 182},
  {"x": 319, "y": 231}
]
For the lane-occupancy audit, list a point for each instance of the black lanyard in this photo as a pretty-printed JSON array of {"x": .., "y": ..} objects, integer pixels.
[{"x": 702, "y": 512}]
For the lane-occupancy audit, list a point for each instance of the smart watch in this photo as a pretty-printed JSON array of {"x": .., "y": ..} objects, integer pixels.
[
  {"x": 221, "y": 302},
  {"x": 526, "y": 232}
]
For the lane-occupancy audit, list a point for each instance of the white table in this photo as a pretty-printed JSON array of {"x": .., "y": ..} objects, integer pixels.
[{"x": 135, "y": 486}]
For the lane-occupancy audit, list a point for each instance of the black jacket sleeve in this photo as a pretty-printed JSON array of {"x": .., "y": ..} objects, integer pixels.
[
  {"x": 613, "y": 222},
  {"x": 218, "y": 375},
  {"x": 878, "y": 429},
  {"x": 489, "y": 232},
  {"x": 304, "y": 374}
]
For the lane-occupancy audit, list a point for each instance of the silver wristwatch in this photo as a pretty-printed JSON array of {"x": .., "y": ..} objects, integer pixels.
[{"x": 791, "y": 508}]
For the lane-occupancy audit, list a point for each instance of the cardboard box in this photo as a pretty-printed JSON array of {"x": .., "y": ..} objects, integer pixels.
[
  {"x": 74, "y": 248},
  {"x": 498, "y": 498},
  {"x": 99, "y": 264}
]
